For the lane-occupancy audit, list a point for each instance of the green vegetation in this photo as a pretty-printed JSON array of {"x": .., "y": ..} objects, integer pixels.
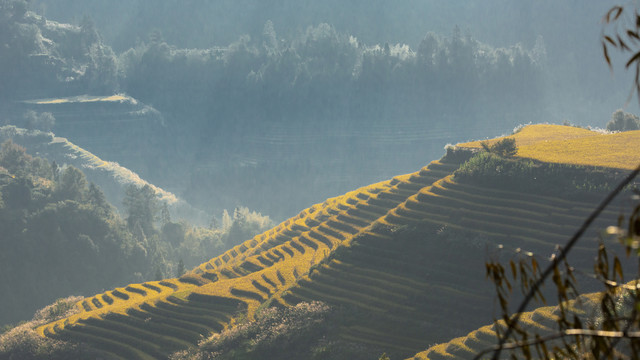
[
  {"x": 521, "y": 174},
  {"x": 21, "y": 35},
  {"x": 385, "y": 258},
  {"x": 504, "y": 148},
  {"x": 61, "y": 236},
  {"x": 296, "y": 332},
  {"x": 623, "y": 121},
  {"x": 54, "y": 223}
]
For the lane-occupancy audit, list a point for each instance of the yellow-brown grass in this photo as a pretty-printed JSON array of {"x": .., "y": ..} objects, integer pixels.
[{"x": 571, "y": 145}]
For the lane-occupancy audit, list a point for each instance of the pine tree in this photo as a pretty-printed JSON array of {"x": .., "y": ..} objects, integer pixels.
[{"x": 181, "y": 269}]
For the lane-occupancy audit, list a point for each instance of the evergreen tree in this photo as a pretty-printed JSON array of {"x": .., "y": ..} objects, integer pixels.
[
  {"x": 181, "y": 269},
  {"x": 96, "y": 197},
  {"x": 72, "y": 184},
  {"x": 55, "y": 170},
  {"x": 142, "y": 207},
  {"x": 14, "y": 158},
  {"x": 165, "y": 215}
]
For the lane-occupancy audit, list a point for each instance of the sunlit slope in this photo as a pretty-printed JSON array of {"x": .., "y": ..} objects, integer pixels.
[
  {"x": 402, "y": 261},
  {"x": 542, "y": 321},
  {"x": 571, "y": 145},
  {"x": 152, "y": 319}
]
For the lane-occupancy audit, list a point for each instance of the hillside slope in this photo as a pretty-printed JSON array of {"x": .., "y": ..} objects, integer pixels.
[
  {"x": 110, "y": 176},
  {"x": 397, "y": 259}
]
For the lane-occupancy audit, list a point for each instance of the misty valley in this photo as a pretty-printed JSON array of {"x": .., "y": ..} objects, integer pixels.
[{"x": 319, "y": 180}]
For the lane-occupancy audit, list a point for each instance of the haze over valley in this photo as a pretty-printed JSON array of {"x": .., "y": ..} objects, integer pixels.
[{"x": 225, "y": 170}]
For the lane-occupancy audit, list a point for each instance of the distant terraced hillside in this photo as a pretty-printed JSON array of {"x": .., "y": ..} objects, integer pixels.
[
  {"x": 401, "y": 260},
  {"x": 110, "y": 176}
]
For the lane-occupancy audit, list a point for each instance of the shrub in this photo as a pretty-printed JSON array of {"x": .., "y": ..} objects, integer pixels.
[
  {"x": 505, "y": 147},
  {"x": 524, "y": 174},
  {"x": 23, "y": 342},
  {"x": 62, "y": 308},
  {"x": 275, "y": 331},
  {"x": 623, "y": 121},
  {"x": 488, "y": 165}
]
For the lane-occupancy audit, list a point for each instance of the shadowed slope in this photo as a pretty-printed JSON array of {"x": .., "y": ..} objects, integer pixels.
[
  {"x": 418, "y": 275},
  {"x": 542, "y": 321}
]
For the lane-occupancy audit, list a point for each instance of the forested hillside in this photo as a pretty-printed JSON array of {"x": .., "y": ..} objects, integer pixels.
[
  {"x": 60, "y": 236},
  {"x": 216, "y": 118}
]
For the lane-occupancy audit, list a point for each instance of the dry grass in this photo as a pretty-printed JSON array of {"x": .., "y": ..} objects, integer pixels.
[{"x": 570, "y": 145}]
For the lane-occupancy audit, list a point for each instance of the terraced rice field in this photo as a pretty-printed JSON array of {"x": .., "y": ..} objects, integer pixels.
[
  {"x": 152, "y": 319},
  {"x": 384, "y": 255},
  {"x": 402, "y": 274},
  {"x": 541, "y": 321}
]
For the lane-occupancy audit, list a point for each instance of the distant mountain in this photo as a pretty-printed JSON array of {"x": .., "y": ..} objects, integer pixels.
[{"x": 400, "y": 262}]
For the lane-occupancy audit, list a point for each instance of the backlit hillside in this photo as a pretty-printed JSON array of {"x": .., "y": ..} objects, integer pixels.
[{"x": 401, "y": 261}]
